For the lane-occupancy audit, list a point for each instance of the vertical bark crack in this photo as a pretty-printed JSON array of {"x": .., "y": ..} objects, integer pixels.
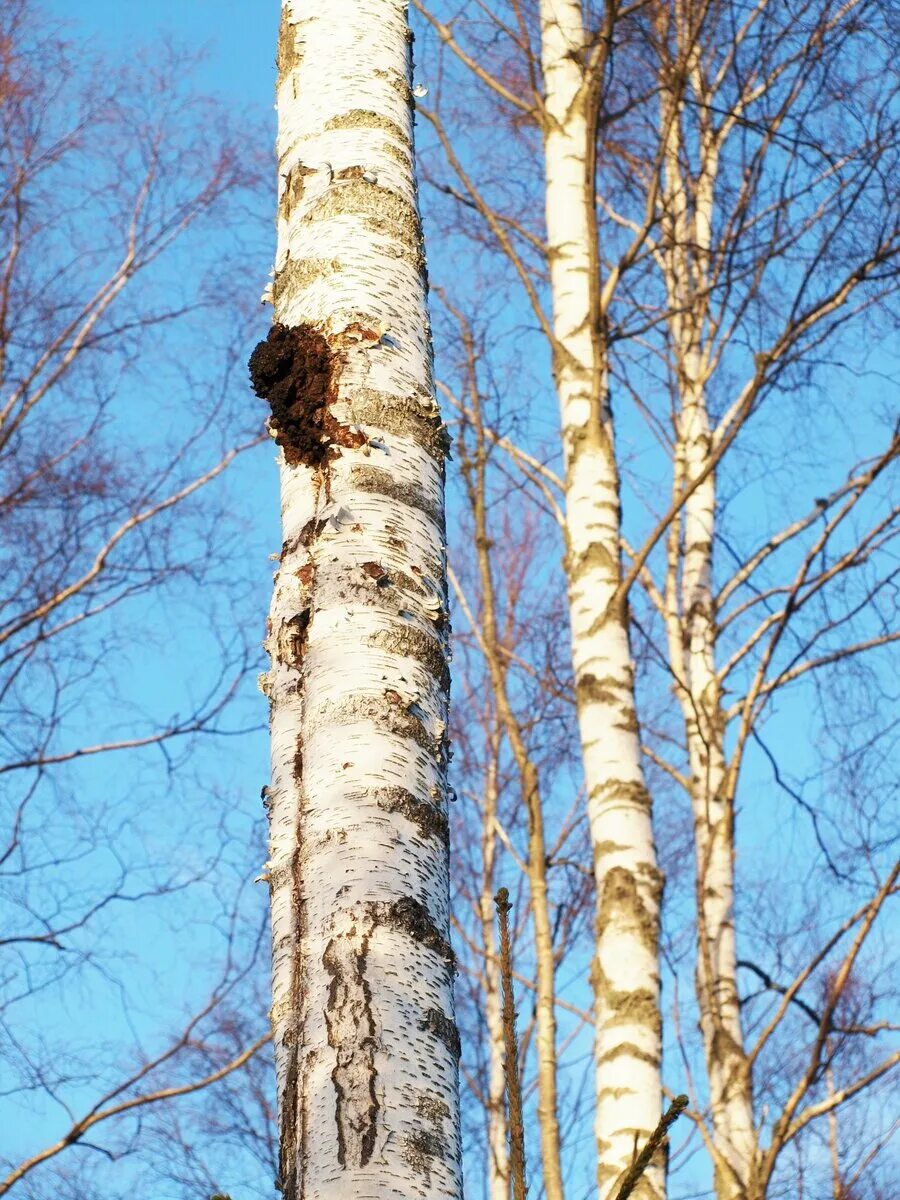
[
  {"x": 292, "y": 1109},
  {"x": 351, "y": 1033}
]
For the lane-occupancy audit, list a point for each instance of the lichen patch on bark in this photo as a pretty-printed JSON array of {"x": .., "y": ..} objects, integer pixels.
[
  {"x": 432, "y": 1108},
  {"x": 444, "y": 1029},
  {"x": 625, "y": 791},
  {"x": 288, "y": 56},
  {"x": 428, "y": 818},
  {"x": 621, "y": 903},
  {"x": 421, "y": 1147}
]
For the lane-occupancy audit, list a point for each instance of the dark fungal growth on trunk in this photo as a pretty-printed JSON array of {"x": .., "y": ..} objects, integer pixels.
[{"x": 294, "y": 370}]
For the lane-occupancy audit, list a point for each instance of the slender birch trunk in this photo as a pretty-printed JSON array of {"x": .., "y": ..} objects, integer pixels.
[
  {"x": 365, "y": 1042},
  {"x": 628, "y": 881},
  {"x": 731, "y": 1099},
  {"x": 687, "y": 218},
  {"x": 529, "y": 782},
  {"x": 498, "y": 1151}
]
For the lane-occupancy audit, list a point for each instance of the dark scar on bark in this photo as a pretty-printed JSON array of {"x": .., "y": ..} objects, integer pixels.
[
  {"x": 295, "y": 370},
  {"x": 287, "y": 1176},
  {"x": 428, "y": 818},
  {"x": 354, "y": 1076},
  {"x": 413, "y": 918},
  {"x": 444, "y": 1029}
]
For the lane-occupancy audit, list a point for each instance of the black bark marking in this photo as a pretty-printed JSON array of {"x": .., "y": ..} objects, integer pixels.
[
  {"x": 310, "y": 531},
  {"x": 413, "y": 918},
  {"x": 428, "y": 818},
  {"x": 605, "y": 690},
  {"x": 444, "y": 1029},
  {"x": 297, "y": 633},
  {"x": 293, "y": 1104},
  {"x": 287, "y": 1167},
  {"x": 351, "y": 1033}
]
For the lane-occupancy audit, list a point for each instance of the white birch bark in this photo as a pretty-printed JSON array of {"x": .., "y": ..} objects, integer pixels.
[
  {"x": 731, "y": 1100},
  {"x": 687, "y": 219},
  {"x": 628, "y": 882},
  {"x": 365, "y": 1042}
]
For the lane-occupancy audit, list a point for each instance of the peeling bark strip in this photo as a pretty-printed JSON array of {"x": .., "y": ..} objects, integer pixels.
[
  {"x": 351, "y": 1034},
  {"x": 362, "y": 980}
]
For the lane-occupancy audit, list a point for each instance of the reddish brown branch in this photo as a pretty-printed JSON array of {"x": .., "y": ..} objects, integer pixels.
[{"x": 513, "y": 1083}]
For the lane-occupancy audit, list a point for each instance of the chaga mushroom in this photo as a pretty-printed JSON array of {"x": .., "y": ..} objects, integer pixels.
[{"x": 293, "y": 369}]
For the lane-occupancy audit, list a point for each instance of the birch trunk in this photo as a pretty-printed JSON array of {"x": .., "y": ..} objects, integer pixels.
[
  {"x": 687, "y": 218},
  {"x": 731, "y": 1100},
  {"x": 628, "y": 882},
  {"x": 365, "y": 1042}
]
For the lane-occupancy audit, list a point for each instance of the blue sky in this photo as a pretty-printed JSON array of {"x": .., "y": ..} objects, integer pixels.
[
  {"x": 239, "y": 34},
  {"x": 166, "y": 953}
]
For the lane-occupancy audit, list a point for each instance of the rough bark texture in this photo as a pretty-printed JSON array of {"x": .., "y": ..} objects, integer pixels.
[
  {"x": 626, "y": 972},
  {"x": 365, "y": 1042}
]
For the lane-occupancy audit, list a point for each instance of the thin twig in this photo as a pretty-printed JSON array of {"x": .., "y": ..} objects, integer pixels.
[
  {"x": 657, "y": 1137},
  {"x": 513, "y": 1083}
]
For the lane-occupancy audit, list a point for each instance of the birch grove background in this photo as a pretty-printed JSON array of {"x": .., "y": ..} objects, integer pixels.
[{"x": 663, "y": 243}]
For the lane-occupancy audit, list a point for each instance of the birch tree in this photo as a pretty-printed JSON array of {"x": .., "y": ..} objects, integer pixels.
[
  {"x": 775, "y": 228},
  {"x": 562, "y": 61},
  {"x": 529, "y": 738},
  {"x": 366, "y": 1045},
  {"x": 746, "y": 153},
  {"x": 628, "y": 882}
]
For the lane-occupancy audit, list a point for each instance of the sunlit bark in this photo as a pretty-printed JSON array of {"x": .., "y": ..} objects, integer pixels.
[
  {"x": 628, "y": 882},
  {"x": 365, "y": 1041}
]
